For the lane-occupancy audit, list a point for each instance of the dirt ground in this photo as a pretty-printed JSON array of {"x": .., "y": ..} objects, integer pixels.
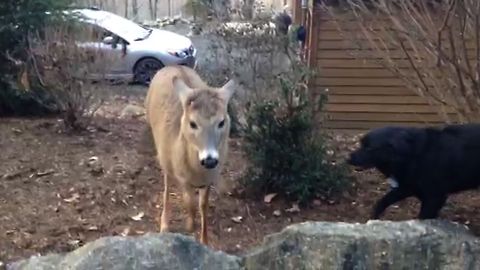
[{"x": 59, "y": 191}]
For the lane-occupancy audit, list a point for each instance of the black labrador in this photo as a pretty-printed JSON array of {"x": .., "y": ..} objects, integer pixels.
[{"x": 427, "y": 163}]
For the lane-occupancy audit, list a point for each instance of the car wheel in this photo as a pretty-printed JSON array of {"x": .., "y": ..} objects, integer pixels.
[{"x": 145, "y": 69}]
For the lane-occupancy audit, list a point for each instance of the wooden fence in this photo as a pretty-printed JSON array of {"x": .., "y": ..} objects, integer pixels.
[{"x": 362, "y": 94}]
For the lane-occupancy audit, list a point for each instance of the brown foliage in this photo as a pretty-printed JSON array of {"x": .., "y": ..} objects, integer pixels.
[{"x": 66, "y": 68}]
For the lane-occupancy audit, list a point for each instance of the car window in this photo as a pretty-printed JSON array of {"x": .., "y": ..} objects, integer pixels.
[
  {"x": 123, "y": 27},
  {"x": 94, "y": 33},
  {"x": 120, "y": 26},
  {"x": 86, "y": 32}
]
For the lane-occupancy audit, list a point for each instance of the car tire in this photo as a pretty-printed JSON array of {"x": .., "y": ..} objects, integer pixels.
[{"x": 145, "y": 69}]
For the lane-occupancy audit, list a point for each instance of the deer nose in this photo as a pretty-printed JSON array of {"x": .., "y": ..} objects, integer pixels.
[{"x": 209, "y": 162}]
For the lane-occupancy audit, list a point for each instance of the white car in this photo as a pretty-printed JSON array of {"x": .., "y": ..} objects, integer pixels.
[{"x": 138, "y": 52}]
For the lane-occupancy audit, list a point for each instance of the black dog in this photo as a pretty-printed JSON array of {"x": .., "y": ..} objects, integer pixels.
[{"x": 427, "y": 163}]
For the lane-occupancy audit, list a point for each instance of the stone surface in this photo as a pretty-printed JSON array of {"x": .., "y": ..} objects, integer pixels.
[
  {"x": 311, "y": 245},
  {"x": 151, "y": 251},
  {"x": 375, "y": 245}
]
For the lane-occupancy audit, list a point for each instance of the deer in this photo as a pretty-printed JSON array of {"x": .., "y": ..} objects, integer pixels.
[{"x": 190, "y": 125}]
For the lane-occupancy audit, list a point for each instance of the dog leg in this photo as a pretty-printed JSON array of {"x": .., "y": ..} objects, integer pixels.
[
  {"x": 393, "y": 196},
  {"x": 203, "y": 202},
  {"x": 431, "y": 206}
]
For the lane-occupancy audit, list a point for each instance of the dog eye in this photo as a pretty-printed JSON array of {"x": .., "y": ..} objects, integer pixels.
[
  {"x": 193, "y": 125},
  {"x": 221, "y": 124}
]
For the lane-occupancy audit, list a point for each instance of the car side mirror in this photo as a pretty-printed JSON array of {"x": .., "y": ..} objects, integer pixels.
[{"x": 108, "y": 40}]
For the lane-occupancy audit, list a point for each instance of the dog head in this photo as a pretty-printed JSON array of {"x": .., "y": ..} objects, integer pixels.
[{"x": 386, "y": 149}]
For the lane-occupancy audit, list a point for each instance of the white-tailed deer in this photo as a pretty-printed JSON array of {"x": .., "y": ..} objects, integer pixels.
[{"x": 190, "y": 127}]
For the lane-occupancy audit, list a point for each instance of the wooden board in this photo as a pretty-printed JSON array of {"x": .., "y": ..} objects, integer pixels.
[
  {"x": 332, "y": 25},
  {"x": 330, "y": 82},
  {"x": 365, "y": 44},
  {"x": 362, "y": 90},
  {"x": 358, "y": 63},
  {"x": 373, "y": 99},
  {"x": 356, "y": 73},
  {"x": 364, "y": 125},
  {"x": 388, "y": 117},
  {"x": 385, "y": 108},
  {"x": 346, "y": 54},
  {"x": 373, "y": 54}
]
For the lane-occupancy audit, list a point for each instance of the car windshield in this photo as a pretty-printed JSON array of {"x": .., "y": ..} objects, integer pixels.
[{"x": 118, "y": 25}]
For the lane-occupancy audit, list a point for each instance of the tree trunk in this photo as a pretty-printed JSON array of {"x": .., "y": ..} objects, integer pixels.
[
  {"x": 169, "y": 8},
  {"x": 155, "y": 9},
  {"x": 194, "y": 9},
  {"x": 150, "y": 9},
  {"x": 247, "y": 9},
  {"x": 135, "y": 9}
]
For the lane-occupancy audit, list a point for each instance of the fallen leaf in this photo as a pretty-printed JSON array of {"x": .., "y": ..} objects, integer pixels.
[
  {"x": 138, "y": 217},
  {"x": 9, "y": 176},
  {"x": 293, "y": 209},
  {"x": 75, "y": 197},
  {"x": 93, "y": 228},
  {"x": 237, "y": 219},
  {"x": 92, "y": 159},
  {"x": 125, "y": 231},
  {"x": 277, "y": 213},
  {"x": 16, "y": 131},
  {"x": 74, "y": 242},
  {"x": 45, "y": 173},
  {"x": 269, "y": 197}
]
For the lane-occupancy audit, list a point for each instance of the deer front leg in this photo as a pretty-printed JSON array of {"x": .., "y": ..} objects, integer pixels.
[
  {"x": 189, "y": 204},
  {"x": 203, "y": 203},
  {"x": 164, "y": 219}
]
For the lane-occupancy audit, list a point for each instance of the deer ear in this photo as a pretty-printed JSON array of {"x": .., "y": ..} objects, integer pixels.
[
  {"x": 182, "y": 90},
  {"x": 227, "y": 90}
]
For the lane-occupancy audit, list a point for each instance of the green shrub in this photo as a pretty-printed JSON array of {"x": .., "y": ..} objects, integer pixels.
[
  {"x": 21, "y": 103},
  {"x": 18, "y": 18},
  {"x": 285, "y": 153}
]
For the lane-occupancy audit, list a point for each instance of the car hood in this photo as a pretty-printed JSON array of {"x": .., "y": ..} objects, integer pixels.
[{"x": 166, "y": 40}]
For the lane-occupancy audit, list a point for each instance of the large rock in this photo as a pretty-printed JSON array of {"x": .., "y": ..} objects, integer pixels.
[
  {"x": 375, "y": 245},
  {"x": 312, "y": 245},
  {"x": 151, "y": 251}
]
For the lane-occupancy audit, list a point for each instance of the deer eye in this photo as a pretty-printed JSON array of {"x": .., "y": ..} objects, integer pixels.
[
  {"x": 193, "y": 125},
  {"x": 221, "y": 124}
]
